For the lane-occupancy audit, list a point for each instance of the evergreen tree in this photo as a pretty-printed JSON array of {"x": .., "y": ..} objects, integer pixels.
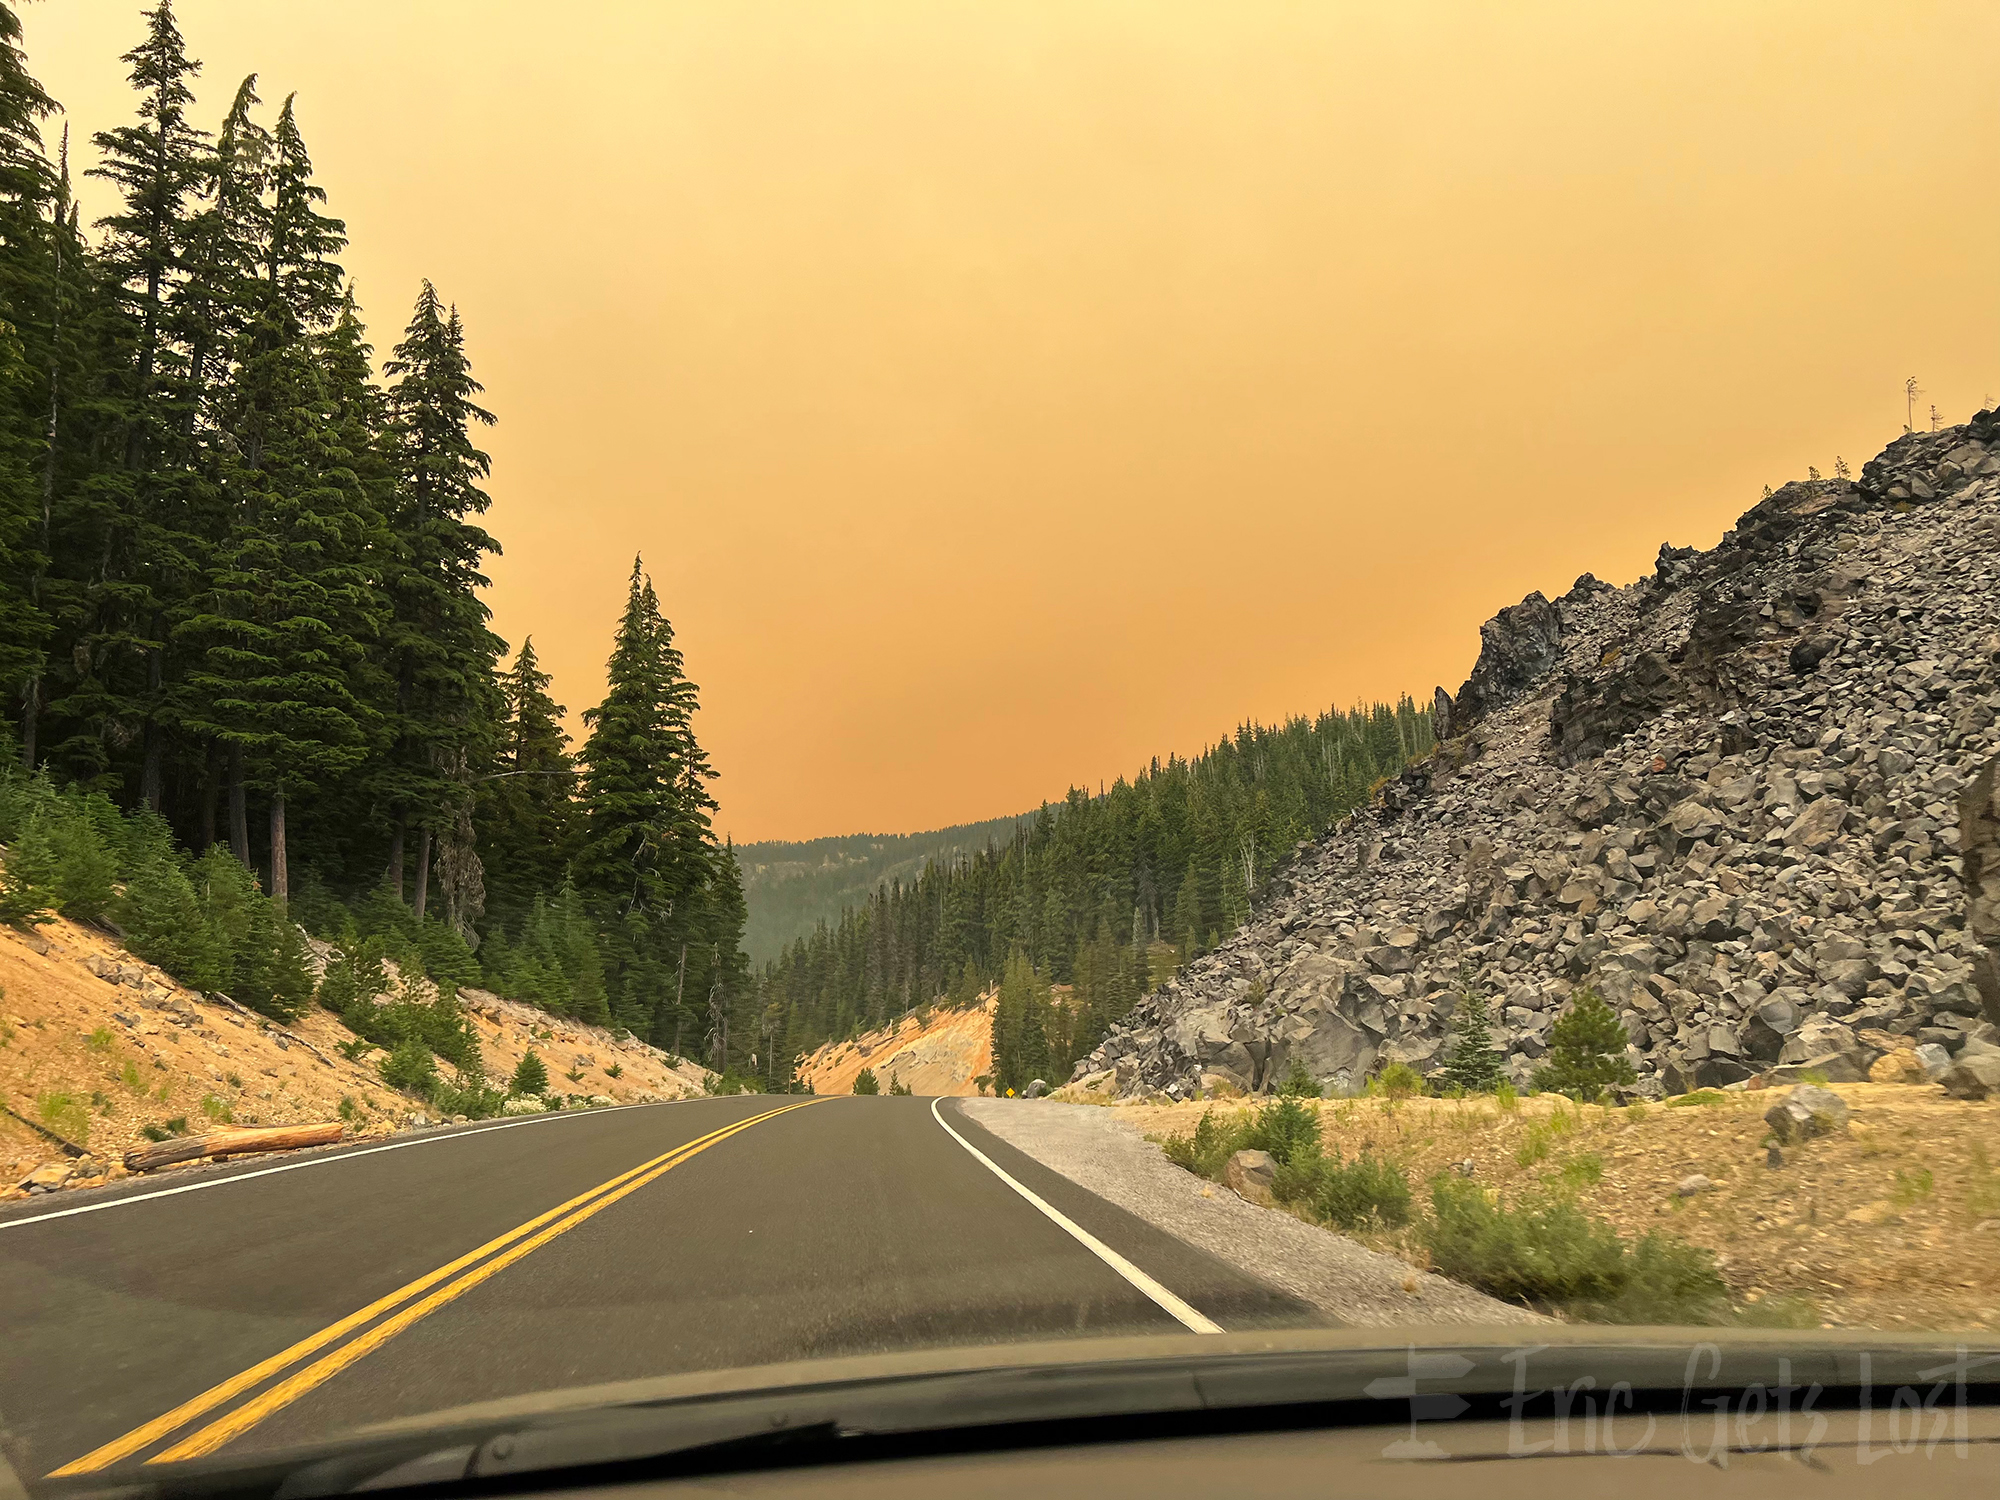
[
  {"x": 524, "y": 804},
  {"x": 1472, "y": 1063},
  {"x": 1586, "y": 1050},
  {"x": 865, "y": 1082},
  {"x": 441, "y": 654},
  {"x": 531, "y": 1076},
  {"x": 29, "y": 197}
]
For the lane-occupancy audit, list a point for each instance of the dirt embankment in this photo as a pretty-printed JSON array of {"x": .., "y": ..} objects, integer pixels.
[
  {"x": 939, "y": 1057},
  {"x": 1894, "y": 1223},
  {"x": 95, "y": 1046}
]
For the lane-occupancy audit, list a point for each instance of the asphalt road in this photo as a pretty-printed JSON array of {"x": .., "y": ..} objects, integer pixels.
[{"x": 846, "y": 1226}]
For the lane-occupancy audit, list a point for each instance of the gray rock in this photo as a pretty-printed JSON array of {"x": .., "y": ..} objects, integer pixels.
[
  {"x": 1035, "y": 1089},
  {"x": 1692, "y": 1185},
  {"x": 1934, "y": 1058},
  {"x": 1975, "y": 1077},
  {"x": 1250, "y": 1174},
  {"x": 1805, "y": 1112}
]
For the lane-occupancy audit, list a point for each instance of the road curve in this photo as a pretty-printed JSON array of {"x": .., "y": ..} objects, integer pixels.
[{"x": 278, "y": 1307}]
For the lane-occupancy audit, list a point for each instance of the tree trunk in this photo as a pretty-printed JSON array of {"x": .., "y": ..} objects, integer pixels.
[
  {"x": 281, "y": 884},
  {"x": 423, "y": 870},
  {"x": 150, "y": 774},
  {"x": 211, "y": 788},
  {"x": 680, "y": 988},
  {"x": 394, "y": 874},
  {"x": 239, "y": 809},
  {"x": 31, "y": 713},
  {"x": 235, "y": 1142}
]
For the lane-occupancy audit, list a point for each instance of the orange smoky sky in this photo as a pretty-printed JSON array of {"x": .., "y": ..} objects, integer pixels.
[{"x": 1004, "y": 393}]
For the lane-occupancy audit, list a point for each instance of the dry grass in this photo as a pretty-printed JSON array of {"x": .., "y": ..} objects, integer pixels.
[{"x": 1879, "y": 1227}]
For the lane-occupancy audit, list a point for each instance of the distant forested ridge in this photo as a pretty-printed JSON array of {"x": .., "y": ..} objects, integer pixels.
[
  {"x": 244, "y": 647},
  {"x": 1089, "y": 903},
  {"x": 790, "y": 888}
]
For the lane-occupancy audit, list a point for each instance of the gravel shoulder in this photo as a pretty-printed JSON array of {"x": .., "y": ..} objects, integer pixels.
[{"x": 1098, "y": 1151}]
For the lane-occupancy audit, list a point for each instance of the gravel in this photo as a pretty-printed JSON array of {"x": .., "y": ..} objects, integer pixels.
[{"x": 1090, "y": 1146}]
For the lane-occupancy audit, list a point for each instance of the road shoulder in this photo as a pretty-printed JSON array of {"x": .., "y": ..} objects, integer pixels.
[{"x": 1091, "y": 1147}]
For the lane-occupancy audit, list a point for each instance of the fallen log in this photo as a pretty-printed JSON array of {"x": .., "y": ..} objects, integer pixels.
[{"x": 237, "y": 1142}]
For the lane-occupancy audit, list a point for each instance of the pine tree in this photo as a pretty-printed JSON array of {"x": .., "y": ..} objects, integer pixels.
[
  {"x": 1472, "y": 1064},
  {"x": 141, "y": 506},
  {"x": 441, "y": 654},
  {"x": 29, "y": 197},
  {"x": 288, "y": 611},
  {"x": 524, "y": 804},
  {"x": 530, "y": 1077},
  {"x": 1586, "y": 1050}
]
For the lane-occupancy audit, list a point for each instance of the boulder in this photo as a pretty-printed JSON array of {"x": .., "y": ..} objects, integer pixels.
[
  {"x": 1935, "y": 1059},
  {"x": 1035, "y": 1089},
  {"x": 1250, "y": 1174},
  {"x": 1804, "y": 1112},
  {"x": 1818, "y": 826},
  {"x": 48, "y": 1177},
  {"x": 1832, "y": 1067},
  {"x": 1975, "y": 1077},
  {"x": 1693, "y": 1184},
  {"x": 1899, "y": 1066}
]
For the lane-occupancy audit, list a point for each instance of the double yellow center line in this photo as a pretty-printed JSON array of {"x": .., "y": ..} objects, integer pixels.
[{"x": 441, "y": 1286}]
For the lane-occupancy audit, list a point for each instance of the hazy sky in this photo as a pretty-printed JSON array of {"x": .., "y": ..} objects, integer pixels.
[{"x": 1004, "y": 393}]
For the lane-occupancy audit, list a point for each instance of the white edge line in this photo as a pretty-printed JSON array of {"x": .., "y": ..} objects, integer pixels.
[
  {"x": 1167, "y": 1301},
  {"x": 321, "y": 1161}
]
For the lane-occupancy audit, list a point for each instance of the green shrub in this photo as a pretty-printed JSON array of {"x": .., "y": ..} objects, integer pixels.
[
  {"x": 1207, "y": 1149},
  {"x": 1548, "y": 1253},
  {"x": 1364, "y": 1193},
  {"x": 355, "y": 976},
  {"x": 1506, "y": 1096},
  {"x": 865, "y": 1082},
  {"x": 1299, "y": 1084},
  {"x": 164, "y": 924},
  {"x": 531, "y": 1076},
  {"x": 217, "y": 1110},
  {"x": 272, "y": 975},
  {"x": 1586, "y": 1050},
  {"x": 348, "y": 1108},
  {"x": 447, "y": 961},
  {"x": 1534, "y": 1146},
  {"x": 1285, "y": 1128},
  {"x": 1397, "y": 1081},
  {"x": 60, "y": 858},
  {"x": 1583, "y": 1171},
  {"x": 66, "y": 1114},
  {"x": 1698, "y": 1099},
  {"x": 410, "y": 1066}
]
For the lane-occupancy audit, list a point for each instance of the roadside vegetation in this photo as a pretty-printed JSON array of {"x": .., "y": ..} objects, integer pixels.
[{"x": 1563, "y": 1199}]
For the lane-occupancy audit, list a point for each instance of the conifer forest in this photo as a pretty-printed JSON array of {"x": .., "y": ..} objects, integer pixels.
[{"x": 252, "y": 693}]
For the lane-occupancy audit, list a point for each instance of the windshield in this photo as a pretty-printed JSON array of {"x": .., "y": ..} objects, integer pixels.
[{"x": 694, "y": 693}]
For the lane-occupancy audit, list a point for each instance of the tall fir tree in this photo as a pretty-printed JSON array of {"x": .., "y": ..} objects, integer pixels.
[
  {"x": 524, "y": 803},
  {"x": 31, "y": 215},
  {"x": 440, "y": 652}
]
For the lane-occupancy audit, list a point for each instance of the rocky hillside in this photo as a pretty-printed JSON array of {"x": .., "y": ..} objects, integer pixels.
[
  {"x": 1728, "y": 795},
  {"x": 940, "y": 1054}
]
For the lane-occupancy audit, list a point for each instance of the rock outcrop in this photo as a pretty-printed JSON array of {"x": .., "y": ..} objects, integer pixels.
[{"x": 1727, "y": 795}]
